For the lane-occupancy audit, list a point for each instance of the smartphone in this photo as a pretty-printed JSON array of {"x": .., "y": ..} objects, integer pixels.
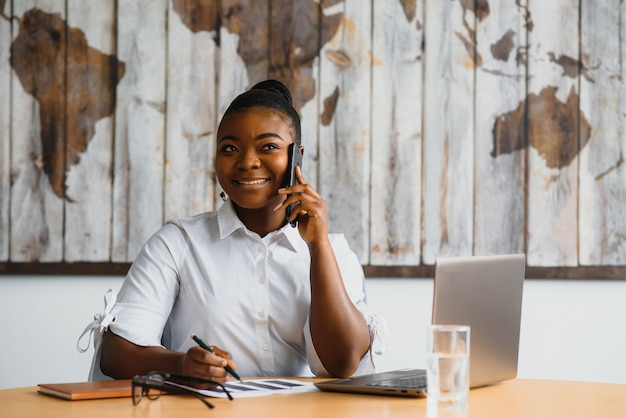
[{"x": 295, "y": 160}]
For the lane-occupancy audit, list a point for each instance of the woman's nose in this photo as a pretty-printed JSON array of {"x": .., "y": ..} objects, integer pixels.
[{"x": 249, "y": 160}]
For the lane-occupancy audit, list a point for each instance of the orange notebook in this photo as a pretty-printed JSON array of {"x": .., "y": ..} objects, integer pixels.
[{"x": 88, "y": 390}]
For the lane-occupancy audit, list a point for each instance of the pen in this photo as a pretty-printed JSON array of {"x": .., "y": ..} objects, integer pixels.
[{"x": 210, "y": 350}]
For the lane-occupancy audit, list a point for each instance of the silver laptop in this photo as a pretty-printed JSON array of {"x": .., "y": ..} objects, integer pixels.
[{"x": 484, "y": 292}]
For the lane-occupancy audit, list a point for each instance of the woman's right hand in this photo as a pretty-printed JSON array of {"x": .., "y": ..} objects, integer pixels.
[{"x": 199, "y": 362}]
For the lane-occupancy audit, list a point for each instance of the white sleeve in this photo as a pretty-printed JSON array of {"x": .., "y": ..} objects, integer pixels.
[
  {"x": 148, "y": 293},
  {"x": 354, "y": 281}
]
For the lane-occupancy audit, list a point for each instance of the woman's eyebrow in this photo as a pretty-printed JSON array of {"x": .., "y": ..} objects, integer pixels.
[
  {"x": 225, "y": 137},
  {"x": 270, "y": 135},
  {"x": 258, "y": 138}
]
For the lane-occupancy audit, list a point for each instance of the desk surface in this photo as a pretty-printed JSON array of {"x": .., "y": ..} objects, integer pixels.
[{"x": 515, "y": 398}]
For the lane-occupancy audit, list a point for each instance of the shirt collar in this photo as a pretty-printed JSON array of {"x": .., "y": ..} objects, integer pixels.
[
  {"x": 227, "y": 219},
  {"x": 229, "y": 222}
]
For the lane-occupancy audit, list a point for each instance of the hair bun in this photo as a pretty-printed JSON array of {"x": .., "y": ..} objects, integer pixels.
[{"x": 274, "y": 86}]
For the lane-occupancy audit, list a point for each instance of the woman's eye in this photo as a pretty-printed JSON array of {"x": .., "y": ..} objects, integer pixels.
[
  {"x": 269, "y": 146},
  {"x": 228, "y": 148}
]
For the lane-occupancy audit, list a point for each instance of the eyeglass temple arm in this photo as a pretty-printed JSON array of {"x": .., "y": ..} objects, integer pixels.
[
  {"x": 203, "y": 399},
  {"x": 176, "y": 387},
  {"x": 173, "y": 389}
]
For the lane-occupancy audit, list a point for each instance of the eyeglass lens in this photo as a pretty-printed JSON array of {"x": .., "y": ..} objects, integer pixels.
[
  {"x": 153, "y": 384},
  {"x": 140, "y": 387}
]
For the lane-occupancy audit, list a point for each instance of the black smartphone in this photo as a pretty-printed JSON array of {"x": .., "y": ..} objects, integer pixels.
[{"x": 295, "y": 160}]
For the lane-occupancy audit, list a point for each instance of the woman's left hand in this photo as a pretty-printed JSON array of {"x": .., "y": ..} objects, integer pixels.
[{"x": 310, "y": 210}]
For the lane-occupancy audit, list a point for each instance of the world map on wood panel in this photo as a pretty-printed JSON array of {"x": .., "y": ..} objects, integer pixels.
[
  {"x": 542, "y": 121},
  {"x": 295, "y": 28},
  {"x": 75, "y": 83}
]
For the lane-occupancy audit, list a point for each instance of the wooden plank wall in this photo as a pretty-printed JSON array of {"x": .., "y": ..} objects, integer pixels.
[
  {"x": 433, "y": 128},
  {"x": 5, "y": 126}
]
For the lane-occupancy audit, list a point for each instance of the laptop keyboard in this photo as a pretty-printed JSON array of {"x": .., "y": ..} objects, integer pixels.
[{"x": 409, "y": 382}]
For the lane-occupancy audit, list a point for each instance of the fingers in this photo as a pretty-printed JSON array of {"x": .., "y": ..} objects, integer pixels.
[
  {"x": 298, "y": 192},
  {"x": 307, "y": 201},
  {"x": 222, "y": 353},
  {"x": 299, "y": 176},
  {"x": 202, "y": 363},
  {"x": 297, "y": 188},
  {"x": 225, "y": 355}
]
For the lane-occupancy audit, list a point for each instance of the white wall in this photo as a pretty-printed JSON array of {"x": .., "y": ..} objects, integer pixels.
[{"x": 571, "y": 330}]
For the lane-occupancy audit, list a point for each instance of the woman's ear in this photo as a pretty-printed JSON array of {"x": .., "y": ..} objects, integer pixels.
[{"x": 301, "y": 149}]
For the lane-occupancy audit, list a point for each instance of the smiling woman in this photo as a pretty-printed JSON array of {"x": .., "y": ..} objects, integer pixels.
[
  {"x": 251, "y": 159},
  {"x": 251, "y": 165},
  {"x": 278, "y": 300}
]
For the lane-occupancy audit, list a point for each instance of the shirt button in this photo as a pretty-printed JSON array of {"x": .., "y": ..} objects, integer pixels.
[
  {"x": 261, "y": 314},
  {"x": 261, "y": 280},
  {"x": 266, "y": 347}
]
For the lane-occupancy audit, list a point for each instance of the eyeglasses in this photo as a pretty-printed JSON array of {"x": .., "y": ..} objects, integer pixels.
[{"x": 154, "y": 384}]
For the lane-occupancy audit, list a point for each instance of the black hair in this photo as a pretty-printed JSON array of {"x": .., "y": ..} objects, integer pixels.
[{"x": 269, "y": 94}]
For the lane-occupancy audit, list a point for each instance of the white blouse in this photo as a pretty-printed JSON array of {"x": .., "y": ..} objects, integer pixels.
[{"x": 248, "y": 295}]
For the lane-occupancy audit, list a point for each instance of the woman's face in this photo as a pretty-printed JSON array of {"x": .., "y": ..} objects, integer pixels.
[{"x": 251, "y": 158}]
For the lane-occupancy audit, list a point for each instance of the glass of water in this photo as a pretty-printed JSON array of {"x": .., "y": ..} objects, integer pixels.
[{"x": 447, "y": 366}]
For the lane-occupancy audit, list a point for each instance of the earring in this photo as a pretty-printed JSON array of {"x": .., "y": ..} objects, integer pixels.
[{"x": 223, "y": 196}]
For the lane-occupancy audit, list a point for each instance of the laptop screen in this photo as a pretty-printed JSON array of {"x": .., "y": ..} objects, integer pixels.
[{"x": 484, "y": 292}]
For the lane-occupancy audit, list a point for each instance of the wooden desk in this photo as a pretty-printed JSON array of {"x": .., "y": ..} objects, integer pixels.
[{"x": 515, "y": 398}]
